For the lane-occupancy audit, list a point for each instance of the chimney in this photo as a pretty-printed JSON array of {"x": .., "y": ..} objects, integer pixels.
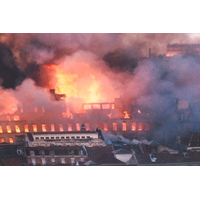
[{"x": 149, "y": 52}]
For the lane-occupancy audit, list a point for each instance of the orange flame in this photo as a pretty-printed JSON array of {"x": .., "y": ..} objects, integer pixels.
[
  {"x": 126, "y": 115},
  {"x": 80, "y": 81}
]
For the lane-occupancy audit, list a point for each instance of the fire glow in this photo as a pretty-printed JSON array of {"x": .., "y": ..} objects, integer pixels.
[{"x": 81, "y": 81}]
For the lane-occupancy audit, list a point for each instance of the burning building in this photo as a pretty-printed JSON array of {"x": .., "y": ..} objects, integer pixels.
[
  {"x": 183, "y": 49},
  {"x": 63, "y": 86}
]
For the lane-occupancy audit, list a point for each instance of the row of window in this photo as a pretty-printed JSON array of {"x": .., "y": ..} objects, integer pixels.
[
  {"x": 103, "y": 106},
  {"x": 43, "y": 128},
  {"x": 44, "y": 161},
  {"x": 135, "y": 126},
  {"x": 10, "y": 140},
  {"x": 68, "y": 137},
  {"x": 52, "y": 152}
]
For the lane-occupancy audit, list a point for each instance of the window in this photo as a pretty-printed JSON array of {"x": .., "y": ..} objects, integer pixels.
[
  {"x": 105, "y": 126},
  {"x": 26, "y": 128},
  {"x": 42, "y": 152},
  {"x": 1, "y": 130},
  {"x": 105, "y": 106},
  {"x": 17, "y": 128},
  {"x": 72, "y": 160},
  {"x": 62, "y": 160},
  {"x": 57, "y": 138},
  {"x": 140, "y": 127},
  {"x": 43, "y": 161},
  {"x": 96, "y": 106},
  {"x": 37, "y": 138},
  {"x": 83, "y": 137},
  {"x": 87, "y": 126},
  {"x": 146, "y": 126},
  {"x": 42, "y": 138},
  {"x": 44, "y": 129},
  {"x": 82, "y": 159},
  {"x": 2, "y": 139},
  {"x": 34, "y": 126},
  {"x": 77, "y": 137},
  {"x": 133, "y": 126},
  {"x": 51, "y": 152},
  {"x": 52, "y": 127},
  {"x": 8, "y": 128},
  {"x": 78, "y": 128},
  {"x": 61, "y": 127},
  {"x": 32, "y": 153},
  {"x": 72, "y": 137},
  {"x": 114, "y": 126},
  {"x": 33, "y": 161},
  {"x": 123, "y": 126},
  {"x": 53, "y": 160},
  {"x": 81, "y": 152},
  {"x": 88, "y": 137},
  {"x": 52, "y": 137},
  {"x": 62, "y": 137},
  {"x": 69, "y": 127},
  {"x": 67, "y": 137},
  {"x": 11, "y": 140},
  {"x": 47, "y": 138},
  {"x": 16, "y": 118},
  {"x": 87, "y": 107}
]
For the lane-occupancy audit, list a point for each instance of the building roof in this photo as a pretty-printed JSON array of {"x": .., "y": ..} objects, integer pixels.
[
  {"x": 58, "y": 150},
  {"x": 30, "y": 136},
  {"x": 184, "y": 45},
  {"x": 103, "y": 155},
  {"x": 108, "y": 159},
  {"x": 63, "y": 132},
  {"x": 122, "y": 151},
  {"x": 13, "y": 161}
]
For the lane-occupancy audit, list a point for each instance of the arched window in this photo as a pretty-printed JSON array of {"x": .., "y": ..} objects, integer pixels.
[
  {"x": 42, "y": 152},
  {"x": 32, "y": 153}
]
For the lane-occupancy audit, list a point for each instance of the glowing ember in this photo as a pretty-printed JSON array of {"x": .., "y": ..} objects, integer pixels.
[
  {"x": 126, "y": 115},
  {"x": 139, "y": 111}
]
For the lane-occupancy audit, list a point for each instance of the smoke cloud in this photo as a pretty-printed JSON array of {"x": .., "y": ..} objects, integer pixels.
[{"x": 104, "y": 66}]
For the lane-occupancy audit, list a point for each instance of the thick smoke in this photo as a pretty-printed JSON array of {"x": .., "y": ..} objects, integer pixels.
[
  {"x": 41, "y": 48},
  {"x": 112, "y": 62},
  {"x": 10, "y": 74}
]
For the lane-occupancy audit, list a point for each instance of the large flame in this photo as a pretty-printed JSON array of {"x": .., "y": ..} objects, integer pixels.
[{"x": 81, "y": 80}]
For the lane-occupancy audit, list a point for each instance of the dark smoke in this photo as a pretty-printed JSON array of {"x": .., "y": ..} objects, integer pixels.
[
  {"x": 10, "y": 74},
  {"x": 120, "y": 61},
  {"x": 152, "y": 85}
]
